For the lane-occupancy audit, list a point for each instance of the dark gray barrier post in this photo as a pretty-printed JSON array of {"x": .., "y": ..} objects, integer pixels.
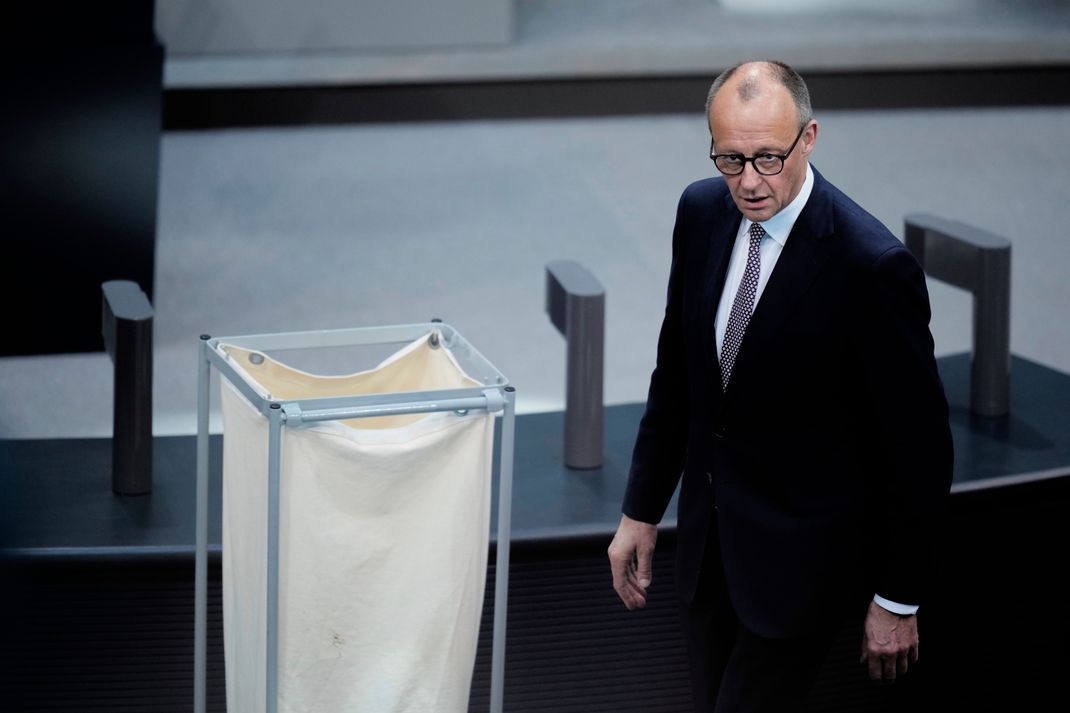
[
  {"x": 980, "y": 262},
  {"x": 127, "y": 330},
  {"x": 576, "y": 303}
]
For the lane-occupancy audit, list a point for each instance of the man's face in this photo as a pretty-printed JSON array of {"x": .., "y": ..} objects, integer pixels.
[{"x": 766, "y": 123}]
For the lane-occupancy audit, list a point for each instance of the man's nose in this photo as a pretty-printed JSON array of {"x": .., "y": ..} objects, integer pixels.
[{"x": 750, "y": 178}]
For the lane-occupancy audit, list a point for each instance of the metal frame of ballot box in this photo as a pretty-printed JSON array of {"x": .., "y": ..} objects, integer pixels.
[{"x": 493, "y": 395}]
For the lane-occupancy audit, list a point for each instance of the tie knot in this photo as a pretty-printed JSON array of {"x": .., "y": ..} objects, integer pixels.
[{"x": 757, "y": 232}]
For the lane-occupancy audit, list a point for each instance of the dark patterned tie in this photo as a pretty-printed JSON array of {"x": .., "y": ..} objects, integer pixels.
[{"x": 742, "y": 306}]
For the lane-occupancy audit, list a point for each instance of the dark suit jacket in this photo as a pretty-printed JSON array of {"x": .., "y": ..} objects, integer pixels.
[{"x": 828, "y": 458}]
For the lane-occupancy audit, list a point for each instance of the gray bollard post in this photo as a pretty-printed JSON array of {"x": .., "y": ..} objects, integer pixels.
[
  {"x": 978, "y": 261},
  {"x": 576, "y": 304},
  {"x": 127, "y": 331}
]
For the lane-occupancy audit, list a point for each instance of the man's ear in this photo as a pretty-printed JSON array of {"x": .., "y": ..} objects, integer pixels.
[{"x": 809, "y": 139}]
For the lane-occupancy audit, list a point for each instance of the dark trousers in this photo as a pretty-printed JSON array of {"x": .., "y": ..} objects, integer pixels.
[{"x": 734, "y": 670}]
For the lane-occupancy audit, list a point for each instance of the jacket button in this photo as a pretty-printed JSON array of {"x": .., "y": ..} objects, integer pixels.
[{"x": 719, "y": 432}]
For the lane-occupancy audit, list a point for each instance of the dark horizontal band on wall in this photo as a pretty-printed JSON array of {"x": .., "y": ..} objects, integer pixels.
[{"x": 212, "y": 108}]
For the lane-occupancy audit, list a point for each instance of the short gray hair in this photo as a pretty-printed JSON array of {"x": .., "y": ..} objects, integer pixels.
[{"x": 782, "y": 73}]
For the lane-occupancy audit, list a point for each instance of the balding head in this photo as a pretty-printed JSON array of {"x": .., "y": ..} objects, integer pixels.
[{"x": 750, "y": 80}]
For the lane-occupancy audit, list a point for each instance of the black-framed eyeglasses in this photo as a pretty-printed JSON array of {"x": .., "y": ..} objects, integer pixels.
[{"x": 767, "y": 164}]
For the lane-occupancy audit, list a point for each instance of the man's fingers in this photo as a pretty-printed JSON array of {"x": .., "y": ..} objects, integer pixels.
[
  {"x": 634, "y": 598},
  {"x": 637, "y": 584},
  {"x": 874, "y": 665},
  {"x": 643, "y": 567},
  {"x": 888, "y": 668},
  {"x": 626, "y": 584},
  {"x": 902, "y": 663},
  {"x": 621, "y": 581},
  {"x": 631, "y": 594}
]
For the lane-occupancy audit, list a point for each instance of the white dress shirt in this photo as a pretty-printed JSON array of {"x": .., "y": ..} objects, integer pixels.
[{"x": 777, "y": 230}]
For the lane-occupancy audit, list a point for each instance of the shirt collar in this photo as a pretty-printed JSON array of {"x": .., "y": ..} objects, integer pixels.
[{"x": 779, "y": 226}]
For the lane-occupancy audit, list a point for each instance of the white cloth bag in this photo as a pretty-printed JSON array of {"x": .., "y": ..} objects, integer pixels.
[{"x": 382, "y": 548}]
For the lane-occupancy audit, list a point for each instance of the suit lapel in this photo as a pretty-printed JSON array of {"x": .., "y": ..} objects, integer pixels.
[
  {"x": 808, "y": 246},
  {"x": 721, "y": 241}
]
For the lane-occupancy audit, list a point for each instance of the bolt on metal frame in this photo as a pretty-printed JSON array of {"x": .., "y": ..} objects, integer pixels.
[{"x": 493, "y": 394}]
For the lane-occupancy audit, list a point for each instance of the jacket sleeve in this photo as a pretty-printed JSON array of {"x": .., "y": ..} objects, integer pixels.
[
  {"x": 661, "y": 443},
  {"x": 914, "y": 453}
]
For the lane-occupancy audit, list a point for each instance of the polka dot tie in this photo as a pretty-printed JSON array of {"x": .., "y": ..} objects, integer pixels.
[{"x": 742, "y": 306}]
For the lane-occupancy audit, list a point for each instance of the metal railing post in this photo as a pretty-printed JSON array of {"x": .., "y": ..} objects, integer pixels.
[
  {"x": 980, "y": 262},
  {"x": 501, "y": 570},
  {"x": 576, "y": 304},
  {"x": 127, "y": 330},
  {"x": 200, "y": 596},
  {"x": 275, "y": 422}
]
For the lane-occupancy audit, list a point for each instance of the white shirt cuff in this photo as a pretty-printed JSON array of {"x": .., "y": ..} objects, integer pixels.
[{"x": 895, "y": 607}]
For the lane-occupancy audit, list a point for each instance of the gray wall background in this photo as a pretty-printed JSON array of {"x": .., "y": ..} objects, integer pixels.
[
  {"x": 191, "y": 27},
  {"x": 332, "y": 227}
]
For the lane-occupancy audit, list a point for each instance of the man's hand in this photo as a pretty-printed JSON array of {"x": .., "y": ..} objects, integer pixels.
[
  {"x": 630, "y": 555},
  {"x": 889, "y": 644}
]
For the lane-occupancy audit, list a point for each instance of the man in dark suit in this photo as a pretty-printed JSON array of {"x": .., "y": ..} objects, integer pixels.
[{"x": 796, "y": 400}]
